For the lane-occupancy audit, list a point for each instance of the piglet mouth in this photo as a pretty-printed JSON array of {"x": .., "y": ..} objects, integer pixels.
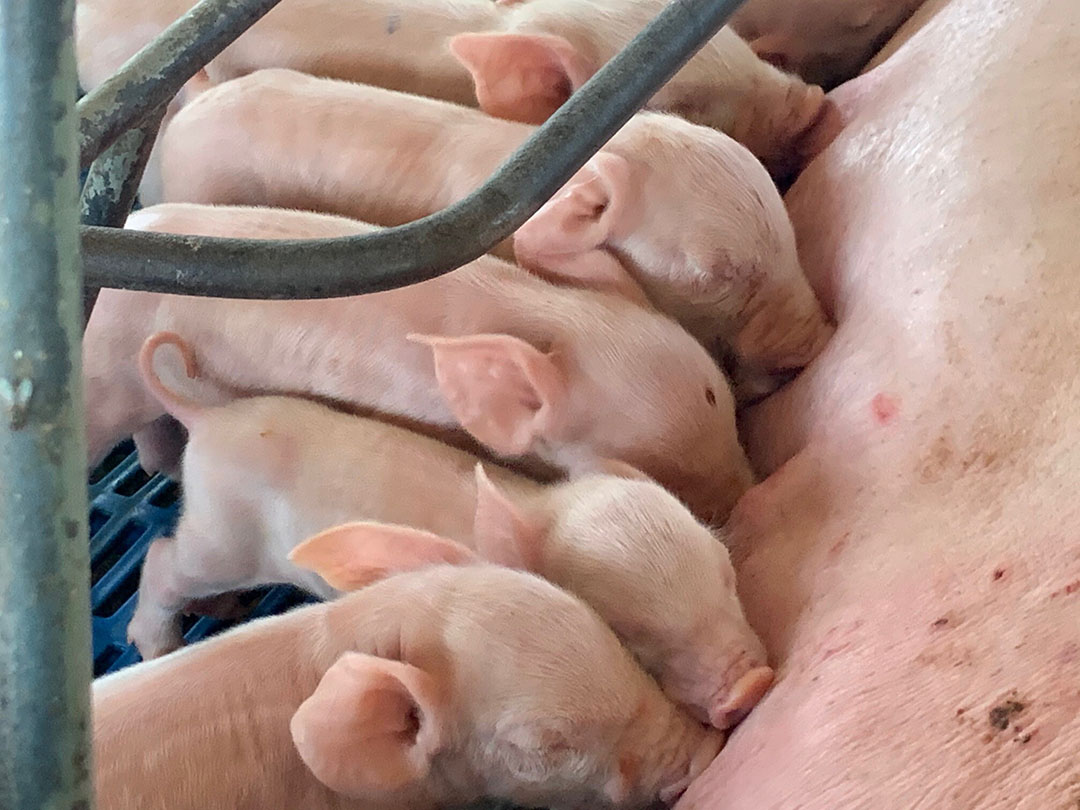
[{"x": 746, "y": 693}]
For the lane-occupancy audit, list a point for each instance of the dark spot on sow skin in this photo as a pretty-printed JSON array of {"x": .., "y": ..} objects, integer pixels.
[
  {"x": 942, "y": 622},
  {"x": 998, "y": 573},
  {"x": 1002, "y": 714}
]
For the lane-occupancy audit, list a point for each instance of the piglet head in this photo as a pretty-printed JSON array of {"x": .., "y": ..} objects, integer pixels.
[
  {"x": 726, "y": 87},
  {"x": 779, "y": 121},
  {"x": 677, "y": 412},
  {"x": 695, "y": 225},
  {"x": 659, "y": 578},
  {"x": 478, "y": 681},
  {"x": 825, "y": 41}
]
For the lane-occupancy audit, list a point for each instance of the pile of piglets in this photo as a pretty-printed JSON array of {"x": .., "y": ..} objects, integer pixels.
[{"x": 507, "y": 483}]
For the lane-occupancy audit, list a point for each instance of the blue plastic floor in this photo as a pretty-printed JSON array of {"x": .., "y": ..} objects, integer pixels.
[{"x": 128, "y": 510}]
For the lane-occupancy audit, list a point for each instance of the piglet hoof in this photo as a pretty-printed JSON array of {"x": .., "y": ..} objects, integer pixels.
[
  {"x": 154, "y": 642},
  {"x": 744, "y": 695}
]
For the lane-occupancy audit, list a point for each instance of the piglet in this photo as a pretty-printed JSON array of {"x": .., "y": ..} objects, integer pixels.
[
  {"x": 824, "y": 41},
  {"x": 685, "y": 210},
  {"x": 529, "y": 369},
  {"x": 429, "y": 689},
  {"x": 261, "y": 474},
  {"x": 524, "y": 58}
]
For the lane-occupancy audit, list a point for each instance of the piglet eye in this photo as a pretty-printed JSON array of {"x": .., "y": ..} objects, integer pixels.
[{"x": 710, "y": 397}]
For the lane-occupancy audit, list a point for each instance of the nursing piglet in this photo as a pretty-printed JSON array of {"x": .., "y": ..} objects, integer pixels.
[
  {"x": 526, "y": 57},
  {"x": 528, "y": 368},
  {"x": 685, "y": 210},
  {"x": 261, "y": 474},
  {"x": 824, "y": 41},
  {"x": 429, "y": 689}
]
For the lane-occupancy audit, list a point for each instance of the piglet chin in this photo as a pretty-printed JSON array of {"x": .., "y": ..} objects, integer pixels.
[{"x": 710, "y": 747}]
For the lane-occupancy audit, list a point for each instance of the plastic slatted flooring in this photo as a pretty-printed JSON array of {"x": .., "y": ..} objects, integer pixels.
[{"x": 128, "y": 510}]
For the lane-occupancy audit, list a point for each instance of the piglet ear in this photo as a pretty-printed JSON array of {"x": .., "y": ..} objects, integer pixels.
[
  {"x": 564, "y": 240},
  {"x": 504, "y": 391},
  {"x": 371, "y": 726},
  {"x": 521, "y": 77},
  {"x": 503, "y": 533},
  {"x": 353, "y": 555}
]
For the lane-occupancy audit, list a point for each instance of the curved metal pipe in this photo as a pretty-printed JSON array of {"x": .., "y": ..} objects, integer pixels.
[
  {"x": 407, "y": 254},
  {"x": 151, "y": 78}
]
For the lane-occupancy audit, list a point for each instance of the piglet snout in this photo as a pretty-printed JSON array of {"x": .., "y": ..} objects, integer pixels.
[{"x": 747, "y": 691}]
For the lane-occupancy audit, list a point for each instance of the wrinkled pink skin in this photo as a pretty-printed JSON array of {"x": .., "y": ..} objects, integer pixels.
[
  {"x": 404, "y": 47},
  {"x": 565, "y": 719},
  {"x": 913, "y": 561},
  {"x": 599, "y": 355},
  {"x": 262, "y": 474},
  {"x": 685, "y": 210},
  {"x": 824, "y": 41}
]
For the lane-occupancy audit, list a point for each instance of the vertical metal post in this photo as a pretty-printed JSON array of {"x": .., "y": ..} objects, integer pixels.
[
  {"x": 45, "y": 660},
  {"x": 113, "y": 182}
]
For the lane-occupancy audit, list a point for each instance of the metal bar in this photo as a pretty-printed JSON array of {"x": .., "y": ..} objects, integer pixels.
[
  {"x": 155, "y": 74},
  {"x": 113, "y": 182},
  {"x": 420, "y": 250},
  {"x": 45, "y": 665}
]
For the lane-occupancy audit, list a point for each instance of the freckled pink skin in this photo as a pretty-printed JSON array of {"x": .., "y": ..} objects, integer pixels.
[
  {"x": 209, "y": 726},
  {"x": 609, "y": 355},
  {"x": 913, "y": 578}
]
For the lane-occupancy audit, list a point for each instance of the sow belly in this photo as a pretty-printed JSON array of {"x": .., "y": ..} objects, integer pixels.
[{"x": 913, "y": 561}]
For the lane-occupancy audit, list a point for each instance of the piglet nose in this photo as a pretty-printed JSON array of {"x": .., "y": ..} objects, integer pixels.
[{"x": 744, "y": 695}]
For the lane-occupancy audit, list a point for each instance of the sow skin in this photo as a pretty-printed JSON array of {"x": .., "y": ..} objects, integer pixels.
[{"x": 913, "y": 561}]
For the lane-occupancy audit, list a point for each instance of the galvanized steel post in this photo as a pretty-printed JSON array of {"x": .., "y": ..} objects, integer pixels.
[{"x": 45, "y": 664}]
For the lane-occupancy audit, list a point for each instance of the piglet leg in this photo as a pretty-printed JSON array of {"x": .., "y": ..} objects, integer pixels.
[{"x": 165, "y": 590}]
